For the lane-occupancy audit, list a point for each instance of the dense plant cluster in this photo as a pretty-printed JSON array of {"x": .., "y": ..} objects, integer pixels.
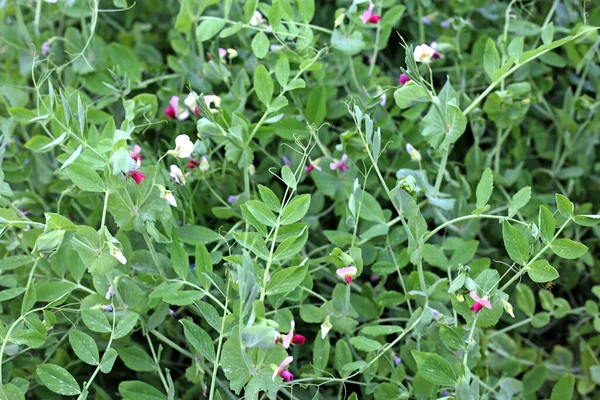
[{"x": 299, "y": 199}]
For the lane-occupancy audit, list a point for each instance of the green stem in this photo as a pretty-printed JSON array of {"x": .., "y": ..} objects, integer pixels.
[
  {"x": 469, "y": 340},
  {"x": 440, "y": 174},
  {"x": 104, "y": 209},
  {"x": 219, "y": 345}
]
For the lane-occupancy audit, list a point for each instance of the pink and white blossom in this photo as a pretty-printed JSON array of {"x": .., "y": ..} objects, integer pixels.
[{"x": 347, "y": 273}]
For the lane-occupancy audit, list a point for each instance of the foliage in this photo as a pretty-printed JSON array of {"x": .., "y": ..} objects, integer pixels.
[{"x": 299, "y": 199}]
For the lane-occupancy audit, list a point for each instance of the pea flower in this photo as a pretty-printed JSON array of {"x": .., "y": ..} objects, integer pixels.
[
  {"x": 232, "y": 53},
  {"x": 51, "y": 1},
  {"x": 369, "y": 17},
  {"x": 382, "y": 100},
  {"x": 397, "y": 360},
  {"x": 479, "y": 302},
  {"x": 212, "y": 99},
  {"x": 183, "y": 147},
  {"x": 423, "y": 53},
  {"x": 347, "y": 273},
  {"x": 204, "y": 165},
  {"x": 282, "y": 372},
  {"x": 136, "y": 175},
  {"x": 173, "y": 314},
  {"x": 415, "y": 155},
  {"x": 177, "y": 175},
  {"x": 436, "y": 55},
  {"x": 168, "y": 196},
  {"x": 341, "y": 164},
  {"x": 507, "y": 307},
  {"x": 325, "y": 327},
  {"x": 46, "y": 48},
  {"x": 116, "y": 253},
  {"x": 108, "y": 308},
  {"x": 286, "y": 161},
  {"x": 222, "y": 52},
  {"x": 426, "y": 20},
  {"x": 445, "y": 24},
  {"x": 190, "y": 102},
  {"x": 135, "y": 154},
  {"x": 232, "y": 199},
  {"x": 257, "y": 19},
  {"x": 109, "y": 293},
  {"x": 291, "y": 338},
  {"x": 403, "y": 79},
  {"x": 313, "y": 165},
  {"x": 173, "y": 110}
]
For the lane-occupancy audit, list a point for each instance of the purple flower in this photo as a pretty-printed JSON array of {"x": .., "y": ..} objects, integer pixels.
[
  {"x": 426, "y": 20},
  {"x": 232, "y": 199},
  {"x": 108, "y": 308},
  {"x": 445, "y": 24},
  {"x": 46, "y": 48},
  {"x": 397, "y": 360},
  {"x": 445, "y": 393},
  {"x": 193, "y": 266},
  {"x": 286, "y": 161},
  {"x": 173, "y": 314},
  {"x": 436, "y": 314}
]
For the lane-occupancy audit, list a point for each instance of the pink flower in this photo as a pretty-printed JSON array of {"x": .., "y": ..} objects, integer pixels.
[
  {"x": 287, "y": 339},
  {"x": 173, "y": 110},
  {"x": 282, "y": 372},
  {"x": 403, "y": 79},
  {"x": 347, "y": 273},
  {"x": 479, "y": 302},
  {"x": 192, "y": 164},
  {"x": 298, "y": 339},
  {"x": 222, "y": 52},
  {"x": 369, "y": 17},
  {"x": 135, "y": 154},
  {"x": 136, "y": 175},
  {"x": 341, "y": 164},
  {"x": 313, "y": 165}
]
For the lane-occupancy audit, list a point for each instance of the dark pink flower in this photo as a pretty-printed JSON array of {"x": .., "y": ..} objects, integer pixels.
[
  {"x": 403, "y": 79},
  {"x": 340, "y": 164},
  {"x": 286, "y": 375},
  {"x": 479, "y": 302},
  {"x": 170, "y": 112},
  {"x": 368, "y": 17},
  {"x": 313, "y": 165},
  {"x": 282, "y": 372},
  {"x": 135, "y": 154},
  {"x": 298, "y": 339},
  {"x": 137, "y": 176}
]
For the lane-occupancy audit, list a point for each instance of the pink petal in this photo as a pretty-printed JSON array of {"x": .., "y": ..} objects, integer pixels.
[{"x": 174, "y": 102}]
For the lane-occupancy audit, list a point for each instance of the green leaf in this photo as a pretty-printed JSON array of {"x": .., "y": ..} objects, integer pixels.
[
  {"x": 485, "y": 188},
  {"x": 316, "y": 105},
  {"x": 515, "y": 243},
  {"x": 587, "y": 220},
  {"x": 139, "y": 390},
  {"x": 199, "y": 339},
  {"x": 14, "y": 262},
  {"x": 286, "y": 280},
  {"x": 136, "y": 359},
  {"x": 565, "y": 207},
  {"x": 282, "y": 71},
  {"x": 253, "y": 241},
  {"x": 566, "y": 248},
  {"x": 180, "y": 260},
  {"x": 263, "y": 85},
  {"x": 85, "y": 347},
  {"x": 125, "y": 325},
  {"x": 260, "y": 45},
  {"x": 183, "y": 297},
  {"x": 381, "y": 330},
  {"x": 348, "y": 44},
  {"x": 519, "y": 200},
  {"x": 451, "y": 338},
  {"x": 515, "y": 48},
  {"x": 491, "y": 58},
  {"x": 321, "y": 350},
  {"x": 563, "y": 389},
  {"x": 209, "y": 28},
  {"x": 58, "y": 379},
  {"x": 363, "y": 344},
  {"x": 261, "y": 212},
  {"x": 108, "y": 360},
  {"x": 547, "y": 224},
  {"x": 410, "y": 94},
  {"x": 404, "y": 202},
  {"x": 296, "y": 209},
  {"x": 11, "y": 392},
  {"x": 548, "y": 34},
  {"x": 85, "y": 178},
  {"x": 8, "y": 294},
  {"x": 288, "y": 177},
  {"x": 126, "y": 60},
  {"x": 95, "y": 320},
  {"x": 434, "y": 368},
  {"x": 525, "y": 299},
  {"x": 269, "y": 198},
  {"x": 542, "y": 271}
]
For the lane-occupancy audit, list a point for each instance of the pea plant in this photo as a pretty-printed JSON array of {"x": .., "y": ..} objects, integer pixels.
[{"x": 299, "y": 199}]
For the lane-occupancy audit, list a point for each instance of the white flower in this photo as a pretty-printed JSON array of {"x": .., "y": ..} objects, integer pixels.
[
  {"x": 204, "y": 165},
  {"x": 116, "y": 253},
  {"x": 325, "y": 328},
  {"x": 167, "y": 195},
  {"x": 423, "y": 53},
  {"x": 415, "y": 154},
  {"x": 177, "y": 175},
  {"x": 190, "y": 100},
  {"x": 383, "y": 100},
  {"x": 51, "y": 1},
  {"x": 212, "y": 99},
  {"x": 257, "y": 18},
  {"x": 183, "y": 146}
]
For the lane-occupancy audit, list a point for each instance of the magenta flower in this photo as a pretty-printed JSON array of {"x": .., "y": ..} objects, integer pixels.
[
  {"x": 368, "y": 17},
  {"x": 479, "y": 302},
  {"x": 136, "y": 175},
  {"x": 341, "y": 164},
  {"x": 282, "y": 372},
  {"x": 135, "y": 154},
  {"x": 347, "y": 273},
  {"x": 403, "y": 79},
  {"x": 313, "y": 165}
]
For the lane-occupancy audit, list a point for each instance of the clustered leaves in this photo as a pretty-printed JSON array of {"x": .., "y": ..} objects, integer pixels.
[{"x": 217, "y": 200}]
